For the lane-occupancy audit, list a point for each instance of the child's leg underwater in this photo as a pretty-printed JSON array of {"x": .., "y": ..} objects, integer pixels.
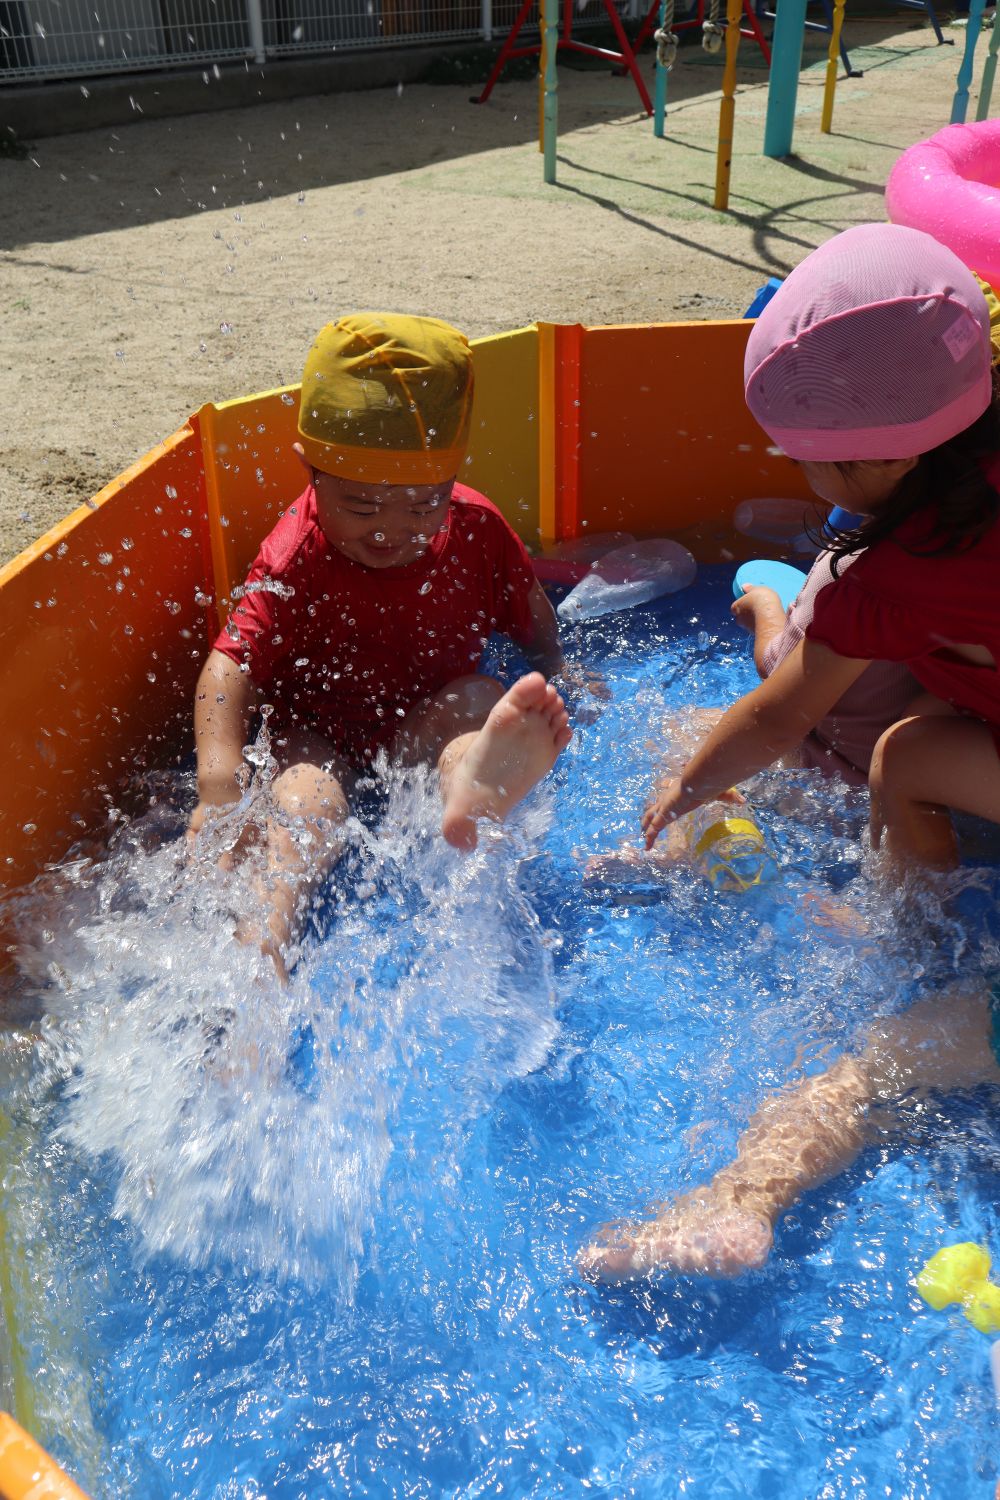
[
  {"x": 798, "y": 1139},
  {"x": 491, "y": 747}
]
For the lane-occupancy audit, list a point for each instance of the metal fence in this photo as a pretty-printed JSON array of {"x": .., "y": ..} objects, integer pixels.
[{"x": 45, "y": 39}]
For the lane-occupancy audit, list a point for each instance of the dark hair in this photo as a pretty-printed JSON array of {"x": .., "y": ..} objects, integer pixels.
[{"x": 952, "y": 476}]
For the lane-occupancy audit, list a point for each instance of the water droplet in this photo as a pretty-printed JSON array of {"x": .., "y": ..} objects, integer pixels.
[
  {"x": 425, "y": 588},
  {"x": 186, "y": 532},
  {"x": 225, "y": 327},
  {"x": 127, "y": 544},
  {"x": 170, "y": 492}
]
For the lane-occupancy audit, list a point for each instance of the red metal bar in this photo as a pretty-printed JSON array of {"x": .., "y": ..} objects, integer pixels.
[
  {"x": 507, "y": 51},
  {"x": 625, "y": 58}
]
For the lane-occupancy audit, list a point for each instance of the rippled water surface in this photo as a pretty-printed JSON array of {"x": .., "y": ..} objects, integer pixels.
[{"x": 320, "y": 1242}]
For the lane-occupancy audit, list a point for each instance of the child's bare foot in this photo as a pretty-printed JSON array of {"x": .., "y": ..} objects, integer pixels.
[
  {"x": 517, "y": 745},
  {"x": 696, "y": 1236}
]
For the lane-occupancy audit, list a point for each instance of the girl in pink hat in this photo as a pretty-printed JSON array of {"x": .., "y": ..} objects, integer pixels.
[{"x": 871, "y": 367}]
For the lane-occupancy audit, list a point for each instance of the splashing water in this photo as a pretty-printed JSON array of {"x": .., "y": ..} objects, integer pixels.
[
  {"x": 252, "y": 1124},
  {"x": 324, "y": 1236}
]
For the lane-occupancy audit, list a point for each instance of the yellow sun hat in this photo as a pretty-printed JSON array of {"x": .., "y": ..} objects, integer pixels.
[{"x": 386, "y": 399}]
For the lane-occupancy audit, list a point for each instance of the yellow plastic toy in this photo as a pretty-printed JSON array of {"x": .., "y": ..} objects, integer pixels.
[{"x": 960, "y": 1273}]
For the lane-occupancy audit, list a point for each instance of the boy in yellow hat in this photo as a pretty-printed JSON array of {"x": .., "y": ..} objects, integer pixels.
[{"x": 364, "y": 617}]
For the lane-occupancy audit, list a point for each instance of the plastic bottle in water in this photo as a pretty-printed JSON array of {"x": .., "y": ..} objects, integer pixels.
[
  {"x": 567, "y": 562},
  {"x": 629, "y": 575},
  {"x": 783, "y": 523},
  {"x": 729, "y": 846}
]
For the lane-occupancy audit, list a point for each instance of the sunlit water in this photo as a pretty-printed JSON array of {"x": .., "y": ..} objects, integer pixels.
[{"x": 321, "y": 1241}]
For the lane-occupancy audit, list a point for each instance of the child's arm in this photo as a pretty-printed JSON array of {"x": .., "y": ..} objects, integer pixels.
[
  {"x": 544, "y": 652},
  {"x": 761, "y": 611},
  {"x": 223, "y": 702},
  {"x": 757, "y": 730}
]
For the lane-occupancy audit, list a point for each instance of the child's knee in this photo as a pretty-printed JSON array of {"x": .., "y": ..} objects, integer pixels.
[{"x": 894, "y": 753}]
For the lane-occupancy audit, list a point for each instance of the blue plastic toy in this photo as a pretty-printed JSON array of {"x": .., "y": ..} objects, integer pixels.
[
  {"x": 782, "y": 577},
  {"x": 763, "y": 297},
  {"x": 843, "y": 520}
]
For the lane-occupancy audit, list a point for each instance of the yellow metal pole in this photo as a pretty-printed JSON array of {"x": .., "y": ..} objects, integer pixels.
[
  {"x": 830, "y": 88},
  {"x": 727, "y": 109}
]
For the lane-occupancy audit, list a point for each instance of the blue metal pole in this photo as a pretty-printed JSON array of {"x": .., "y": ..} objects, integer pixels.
[
  {"x": 960, "y": 103},
  {"x": 660, "y": 96},
  {"x": 786, "y": 60},
  {"x": 989, "y": 69}
]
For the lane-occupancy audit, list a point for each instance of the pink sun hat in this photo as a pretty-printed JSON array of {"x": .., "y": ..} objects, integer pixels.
[{"x": 876, "y": 347}]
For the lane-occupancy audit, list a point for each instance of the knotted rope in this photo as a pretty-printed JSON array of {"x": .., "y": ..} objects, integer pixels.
[
  {"x": 712, "y": 32},
  {"x": 666, "y": 41}
]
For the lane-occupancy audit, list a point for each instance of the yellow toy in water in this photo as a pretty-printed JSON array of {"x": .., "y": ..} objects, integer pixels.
[
  {"x": 960, "y": 1273},
  {"x": 729, "y": 846}
]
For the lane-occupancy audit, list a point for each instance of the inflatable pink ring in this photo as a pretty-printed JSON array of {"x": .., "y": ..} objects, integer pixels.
[{"x": 949, "y": 186}]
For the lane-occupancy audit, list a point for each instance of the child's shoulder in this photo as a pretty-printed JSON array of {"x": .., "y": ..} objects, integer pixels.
[
  {"x": 466, "y": 498},
  {"x": 295, "y": 537},
  {"x": 468, "y": 504}
]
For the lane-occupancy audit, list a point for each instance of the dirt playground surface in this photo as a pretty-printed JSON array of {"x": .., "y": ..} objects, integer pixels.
[{"x": 152, "y": 267}]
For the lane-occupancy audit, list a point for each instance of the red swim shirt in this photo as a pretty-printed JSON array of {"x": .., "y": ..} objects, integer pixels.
[
  {"x": 347, "y": 650},
  {"x": 897, "y": 602}
]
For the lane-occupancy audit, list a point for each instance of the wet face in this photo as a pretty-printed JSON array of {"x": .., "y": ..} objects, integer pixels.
[
  {"x": 862, "y": 486},
  {"x": 380, "y": 525}
]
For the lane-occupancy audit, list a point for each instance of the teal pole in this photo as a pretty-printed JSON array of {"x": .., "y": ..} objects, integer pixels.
[
  {"x": 960, "y": 103},
  {"x": 786, "y": 60},
  {"x": 660, "y": 96},
  {"x": 551, "y": 105},
  {"x": 989, "y": 69}
]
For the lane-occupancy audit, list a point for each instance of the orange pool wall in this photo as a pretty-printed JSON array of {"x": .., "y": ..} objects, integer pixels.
[{"x": 105, "y": 622}]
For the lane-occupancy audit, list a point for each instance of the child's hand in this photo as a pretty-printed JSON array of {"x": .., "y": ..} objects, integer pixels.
[
  {"x": 757, "y": 603},
  {"x": 668, "y": 803}
]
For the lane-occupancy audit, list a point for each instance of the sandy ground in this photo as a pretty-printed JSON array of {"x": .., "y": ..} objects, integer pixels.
[{"x": 165, "y": 263}]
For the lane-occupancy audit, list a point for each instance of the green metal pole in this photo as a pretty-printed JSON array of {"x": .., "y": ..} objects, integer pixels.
[
  {"x": 989, "y": 69},
  {"x": 960, "y": 103},
  {"x": 786, "y": 60},
  {"x": 550, "y": 111}
]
